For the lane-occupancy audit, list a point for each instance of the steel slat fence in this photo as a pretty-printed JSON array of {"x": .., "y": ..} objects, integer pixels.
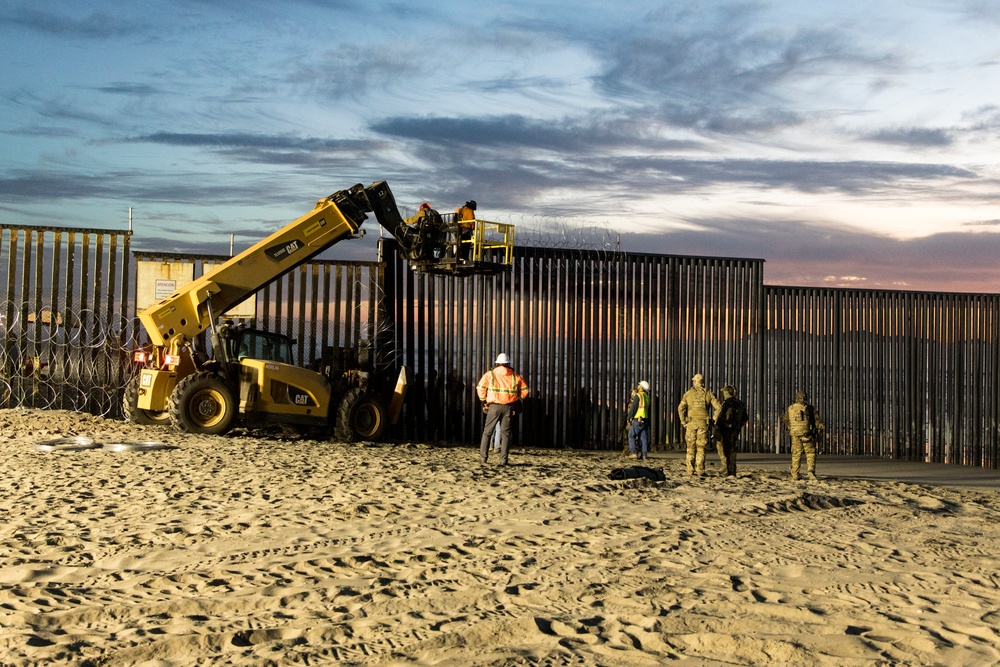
[
  {"x": 894, "y": 374},
  {"x": 583, "y": 327},
  {"x": 907, "y": 375},
  {"x": 61, "y": 317}
]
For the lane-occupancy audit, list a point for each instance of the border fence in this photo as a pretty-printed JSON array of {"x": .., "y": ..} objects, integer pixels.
[
  {"x": 894, "y": 374},
  {"x": 64, "y": 318}
]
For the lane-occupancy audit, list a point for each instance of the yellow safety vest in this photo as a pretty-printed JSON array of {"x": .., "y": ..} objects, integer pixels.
[{"x": 642, "y": 411}]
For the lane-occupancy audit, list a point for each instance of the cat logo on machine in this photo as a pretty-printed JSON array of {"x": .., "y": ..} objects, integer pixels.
[
  {"x": 284, "y": 250},
  {"x": 298, "y": 397}
]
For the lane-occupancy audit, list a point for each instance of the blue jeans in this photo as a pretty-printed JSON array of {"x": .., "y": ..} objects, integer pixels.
[{"x": 639, "y": 430}]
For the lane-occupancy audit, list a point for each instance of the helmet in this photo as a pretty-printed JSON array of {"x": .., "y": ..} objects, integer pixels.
[
  {"x": 729, "y": 389},
  {"x": 471, "y": 204},
  {"x": 502, "y": 360},
  {"x": 424, "y": 205},
  {"x": 801, "y": 397},
  {"x": 698, "y": 376},
  {"x": 644, "y": 385}
]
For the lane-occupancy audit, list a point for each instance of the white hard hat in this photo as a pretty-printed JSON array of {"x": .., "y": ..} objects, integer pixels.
[
  {"x": 644, "y": 385},
  {"x": 503, "y": 359}
]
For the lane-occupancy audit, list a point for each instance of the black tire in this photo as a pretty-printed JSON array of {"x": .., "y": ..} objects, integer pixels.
[
  {"x": 360, "y": 416},
  {"x": 203, "y": 403},
  {"x": 138, "y": 415}
]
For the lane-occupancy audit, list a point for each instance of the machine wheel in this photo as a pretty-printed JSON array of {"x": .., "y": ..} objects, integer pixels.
[
  {"x": 138, "y": 415},
  {"x": 203, "y": 403},
  {"x": 360, "y": 416}
]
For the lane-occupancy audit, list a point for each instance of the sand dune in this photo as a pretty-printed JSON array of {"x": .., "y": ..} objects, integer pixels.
[{"x": 253, "y": 551}]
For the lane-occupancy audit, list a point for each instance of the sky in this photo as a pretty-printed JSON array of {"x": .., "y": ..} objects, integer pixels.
[{"x": 848, "y": 143}]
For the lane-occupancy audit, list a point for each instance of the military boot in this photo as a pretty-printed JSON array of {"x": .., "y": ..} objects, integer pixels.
[
  {"x": 811, "y": 466},
  {"x": 699, "y": 462}
]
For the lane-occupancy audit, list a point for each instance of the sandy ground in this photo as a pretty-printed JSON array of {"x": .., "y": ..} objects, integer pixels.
[{"x": 254, "y": 551}]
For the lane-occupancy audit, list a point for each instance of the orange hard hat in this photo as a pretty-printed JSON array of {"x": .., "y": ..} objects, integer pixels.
[{"x": 424, "y": 205}]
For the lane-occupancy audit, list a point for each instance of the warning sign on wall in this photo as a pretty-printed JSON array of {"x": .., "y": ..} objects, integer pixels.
[{"x": 155, "y": 281}]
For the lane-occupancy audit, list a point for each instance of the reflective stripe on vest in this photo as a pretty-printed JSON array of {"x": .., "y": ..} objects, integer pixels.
[{"x": 492, "y": 388}]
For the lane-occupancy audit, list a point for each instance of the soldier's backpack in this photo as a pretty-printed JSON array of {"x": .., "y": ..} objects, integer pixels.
[{"x": 734, "y": 415}]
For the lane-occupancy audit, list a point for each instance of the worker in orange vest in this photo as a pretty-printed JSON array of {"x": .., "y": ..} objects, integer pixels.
[{"x": 501, "y": 391}]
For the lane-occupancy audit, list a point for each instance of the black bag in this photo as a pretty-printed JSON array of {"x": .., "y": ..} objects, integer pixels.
[{"x": 635, "y": 472}]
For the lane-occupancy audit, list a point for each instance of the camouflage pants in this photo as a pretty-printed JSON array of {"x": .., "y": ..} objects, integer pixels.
[
  {"x": 803, "y": 444},
  {"x": 696, "y": 437},
  {"x": 726, "y": 446}
]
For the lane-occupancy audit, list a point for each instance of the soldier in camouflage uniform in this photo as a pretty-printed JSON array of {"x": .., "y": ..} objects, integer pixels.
[
  {"x": 695, "y": 418},
  {"x": 732, "y": 418},
  {"x": 803, "y": 423}
]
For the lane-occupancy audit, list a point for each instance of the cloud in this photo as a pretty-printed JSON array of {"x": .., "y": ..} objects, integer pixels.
[
  {"x": 516, "y": 131},
  {"x": 979, "y": 11},
  {"x": 38, "y": 185},
  {"x": 350, "y": 72},
  {"x": 275, "y": 150},
  {"x": 802, "y": 253},
  {"x": 984, "y": 119},
  {"x": 95, "y": 25},
  {"x": 62, "y": 109},
  {"x": 576, "y": 159},
  {"x": 125, "y": 88},
  {"x": 917, "y": 137},
  {"x": 41, "y": 186},
  {"x": 718, "y": 68}
]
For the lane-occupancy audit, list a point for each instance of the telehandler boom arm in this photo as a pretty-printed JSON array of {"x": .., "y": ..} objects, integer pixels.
[{"x": 191, "y": 310}]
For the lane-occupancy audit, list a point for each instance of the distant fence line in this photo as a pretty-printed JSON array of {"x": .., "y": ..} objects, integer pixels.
[{"x": 895, "y": 374}]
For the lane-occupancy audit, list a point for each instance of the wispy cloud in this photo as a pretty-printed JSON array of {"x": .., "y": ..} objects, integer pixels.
[
  {"x": 919, "y": 137},
  {"x": 92, "y": 25},
  {"x": 126, "y": 88}
]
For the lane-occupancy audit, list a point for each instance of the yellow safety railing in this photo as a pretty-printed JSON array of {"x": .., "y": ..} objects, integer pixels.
[{"x": 492, "y": 242}]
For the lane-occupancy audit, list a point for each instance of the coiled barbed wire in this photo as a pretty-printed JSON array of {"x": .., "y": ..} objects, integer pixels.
[
  {"x": 563, "y": 234},
  {"x": 69, "y": 360}
]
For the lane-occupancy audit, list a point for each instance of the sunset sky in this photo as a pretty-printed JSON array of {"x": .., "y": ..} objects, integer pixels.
[{"x": 846, "y": 143}]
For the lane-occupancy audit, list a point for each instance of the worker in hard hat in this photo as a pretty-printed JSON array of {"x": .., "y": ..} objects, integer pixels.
[
  {"x": 638, "y": 415},
  {"x": 465, "y": 218},
  {"x": 501, "y": 391},
  {"x": 693, "y": 411},
  {"x": 466, "y": 213},
  {"x": 426, "y": 215}
]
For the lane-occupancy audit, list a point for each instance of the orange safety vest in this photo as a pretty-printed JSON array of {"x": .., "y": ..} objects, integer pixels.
[{"x": 501, "y": 385}]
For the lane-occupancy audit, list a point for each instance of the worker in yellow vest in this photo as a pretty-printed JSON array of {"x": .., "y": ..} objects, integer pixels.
[{"x": 638, "y": 430}]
